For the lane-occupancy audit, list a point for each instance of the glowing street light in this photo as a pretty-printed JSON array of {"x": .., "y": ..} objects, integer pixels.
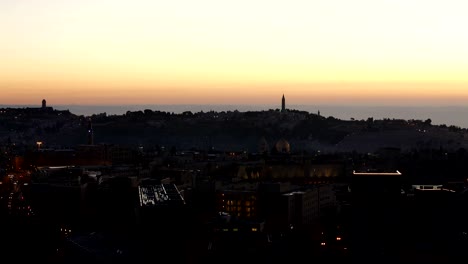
[{"x": 39, "y": 143}]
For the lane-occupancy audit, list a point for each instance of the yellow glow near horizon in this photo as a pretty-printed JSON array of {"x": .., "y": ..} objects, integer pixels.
[{"x": 244, "y": 51}]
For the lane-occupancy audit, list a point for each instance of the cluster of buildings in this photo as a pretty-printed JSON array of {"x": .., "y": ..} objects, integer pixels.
[
  {"x": 230, "y": 193},
  {"x": 215, "y": 201}
]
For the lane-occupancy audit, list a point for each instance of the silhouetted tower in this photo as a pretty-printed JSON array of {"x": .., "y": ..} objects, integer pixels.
[
  {"x": 90, "y": 133},
  {"x": 283, "y": 104},
  {"x": 44, "y": 104}
]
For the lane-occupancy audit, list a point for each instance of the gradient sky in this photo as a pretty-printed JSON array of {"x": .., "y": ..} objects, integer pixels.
[{"x": 395, "y": 52}]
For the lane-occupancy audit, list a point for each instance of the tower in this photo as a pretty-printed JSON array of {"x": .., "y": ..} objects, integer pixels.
[
  {"x": 90, "y": 133},
  {"x": 283, "y": 104},
  {"x": 44, "y": 104}
]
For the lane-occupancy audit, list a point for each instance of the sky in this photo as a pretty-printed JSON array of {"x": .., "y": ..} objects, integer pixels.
[{"x": 363, "y": 52}]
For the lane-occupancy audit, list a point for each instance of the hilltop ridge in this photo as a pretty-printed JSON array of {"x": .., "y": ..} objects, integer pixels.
[{"x": 229, "y": 130}]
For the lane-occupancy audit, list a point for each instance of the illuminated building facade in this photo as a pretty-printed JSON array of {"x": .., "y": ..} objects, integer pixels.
[
  {"x": 240, "y": 204},
  {"x": 308, "y": 172}
]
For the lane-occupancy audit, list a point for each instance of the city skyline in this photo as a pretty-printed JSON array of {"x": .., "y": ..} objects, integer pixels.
[{"x": 182, "y": 52}]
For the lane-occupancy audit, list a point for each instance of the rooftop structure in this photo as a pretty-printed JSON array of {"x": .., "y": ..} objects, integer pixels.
[
  {"x": 159, "y": 195},
  {"x": 397, "y": 173}
]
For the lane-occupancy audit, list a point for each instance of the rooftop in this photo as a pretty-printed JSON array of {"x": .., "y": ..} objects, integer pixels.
[
  {"x": 376, "y": 173},
  {"x": 161, "y": 194}
]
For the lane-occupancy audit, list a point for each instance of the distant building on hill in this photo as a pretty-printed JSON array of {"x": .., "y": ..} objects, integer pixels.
[
  {"x": 283, "y": 104},
  {"x": 90, "y": 133},
  {"x": 44, "y": 106}
]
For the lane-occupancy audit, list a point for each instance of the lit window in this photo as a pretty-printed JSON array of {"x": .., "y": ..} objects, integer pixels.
[{"x": 254, "y": 229}]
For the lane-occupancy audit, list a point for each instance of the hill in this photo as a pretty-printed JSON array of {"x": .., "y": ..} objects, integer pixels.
[{"x": 231, "y": 130}]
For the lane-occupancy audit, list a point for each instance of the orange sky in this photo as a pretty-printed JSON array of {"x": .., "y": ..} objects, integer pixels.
[{"x": 246, "y": 52}]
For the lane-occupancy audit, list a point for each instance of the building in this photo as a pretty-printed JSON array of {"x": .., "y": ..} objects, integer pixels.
[
  {"x": 283, "y": 104},
  {"x": 56, "y": 194},
  {"x": 44, "y": 107},
  {"x": 90, "y": 133},
  {"x": 161, "y": 207},
  {"x": 163, "y": 220},
  {"x": 242, "y": 204},
  {"x": 51, "y": 157},
  {"x": 92, "y": 155},
  {"x": 303, "y": 207},
  {"x": 375, "y": 201},
  {"x": 161, "y": 195},
  {"x": 307, "y": 172},
  {"x": 237, "y": 226}
]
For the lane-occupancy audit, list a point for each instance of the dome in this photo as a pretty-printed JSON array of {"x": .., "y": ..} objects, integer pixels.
[{"x": 282, "y": 146}]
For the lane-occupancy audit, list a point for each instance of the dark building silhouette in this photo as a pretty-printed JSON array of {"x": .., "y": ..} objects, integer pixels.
[
  {"x": 56, "y": 194},
  {"x": 44, "y": 109},
  {"x": 375, "y": 216},
  {"x": 162, "y": 219},
  {"x": 283, "y": 104},
  {"x": 90, "y": 133},
  {"x": 50, "y": 157}
]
